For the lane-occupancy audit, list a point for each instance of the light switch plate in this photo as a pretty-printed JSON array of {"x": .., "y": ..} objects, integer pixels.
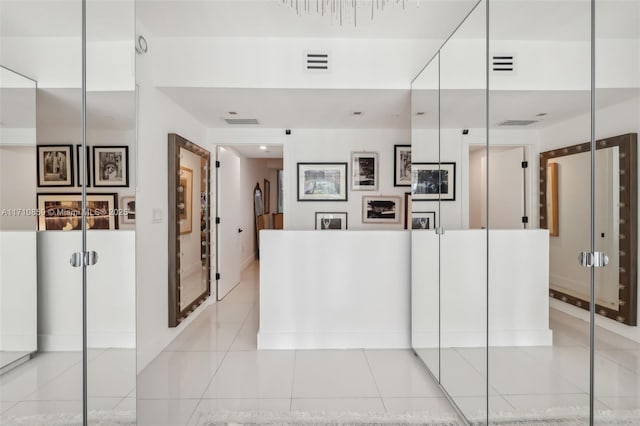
[{"x": 157, "y": 216}]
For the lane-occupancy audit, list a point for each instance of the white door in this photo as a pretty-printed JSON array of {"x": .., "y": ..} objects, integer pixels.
[
  {"x": 506, "y": 188},
  {"x": 229, "y": 244}
]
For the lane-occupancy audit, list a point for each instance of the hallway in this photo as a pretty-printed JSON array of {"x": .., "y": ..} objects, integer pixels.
[{"x": 213, "y": 369}]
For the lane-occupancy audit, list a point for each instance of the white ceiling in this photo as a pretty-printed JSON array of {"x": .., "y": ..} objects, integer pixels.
[{"x": 307, "y": 108}]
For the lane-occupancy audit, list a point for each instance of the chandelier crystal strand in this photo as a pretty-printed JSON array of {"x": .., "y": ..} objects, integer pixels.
[{"x": 343, "y": 11}]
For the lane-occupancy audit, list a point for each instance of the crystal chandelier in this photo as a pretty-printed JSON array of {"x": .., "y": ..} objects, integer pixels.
[{"x": 344, "y": 11}]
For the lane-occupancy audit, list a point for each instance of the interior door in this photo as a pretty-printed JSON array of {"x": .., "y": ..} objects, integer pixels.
[
  {"x": 229, "y": 228},
  {"x": 507, "y": 194}
]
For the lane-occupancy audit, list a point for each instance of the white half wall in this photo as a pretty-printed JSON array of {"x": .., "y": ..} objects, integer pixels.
[
  {"x": 18, "y": 291},
  {"x": 321, "y": 290},
  {"x": 110, "y": 291}
]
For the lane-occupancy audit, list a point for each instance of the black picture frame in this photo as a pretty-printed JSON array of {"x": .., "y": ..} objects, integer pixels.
[
  {"x": 433, "y": 181},
  {"x": 423, "y": 220},
  {"x": 55, "y": 166},
  {"x": 110, "y": 166},
  {"x": 322, "y": 182},
  {"x": 402, "y": 165},
  {"x": 329, "y": 221}
]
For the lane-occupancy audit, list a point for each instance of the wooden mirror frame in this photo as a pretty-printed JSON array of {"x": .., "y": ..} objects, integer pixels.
[
  {"x": 176, "y": 142},
  {"x": 628, "y": 229}
]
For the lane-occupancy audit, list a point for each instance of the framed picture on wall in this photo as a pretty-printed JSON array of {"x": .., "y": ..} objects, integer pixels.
[
  {"x": 128, "y": 210},
  {"x": 407, "y": 210},
  {"x": 267, "y": 196},
  {"x": 55, "y": 165},
  {"x": 185, "y": 200},
  {"x": 402, "y": 165},
  {"x": 110, "y": 166},
  {"x": 423, "y": 220},
  {"x": 381, "y": 209},
  {"x": 434, "y": 181},
  {"x": 331, "y": 220},
  {"x": 364, "y": 171},
  {"x": 322, "y": 182},
  {"x": 63, "y": 212},
  {"x": 79, "y": 170}
]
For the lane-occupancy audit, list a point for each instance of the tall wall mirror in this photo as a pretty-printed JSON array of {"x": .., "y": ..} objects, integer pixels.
[
  {"x": 189, "y": 227},
  {"x": 18, "y": 254},
  {"x": 563, "y": 172},
  {"x": 425, "y": 267}
]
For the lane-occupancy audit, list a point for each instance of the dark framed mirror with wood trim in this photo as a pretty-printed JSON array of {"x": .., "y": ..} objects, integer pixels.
[
  {"x": 189, "y": 227},
  {"x": 565, "y": 209}
]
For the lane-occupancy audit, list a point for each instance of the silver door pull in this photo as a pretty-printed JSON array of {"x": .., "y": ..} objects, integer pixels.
[
  {"x": 80, "y": 259},
  {"x": 596, "y": 259}
]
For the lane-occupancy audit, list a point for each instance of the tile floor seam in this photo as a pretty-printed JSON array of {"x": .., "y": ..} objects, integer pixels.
[
  {"x": 293, "y": 379},
  {"x": 364, "y": 352},
  {"x": 26, "y": 397}
]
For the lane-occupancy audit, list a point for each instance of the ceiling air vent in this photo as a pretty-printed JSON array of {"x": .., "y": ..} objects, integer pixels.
[
  {"x": 517, "y": 122},
  {"x": 241, "y": 121},
  {"x": 316, "y": 61},
  {"x": 503, "y": 64}
]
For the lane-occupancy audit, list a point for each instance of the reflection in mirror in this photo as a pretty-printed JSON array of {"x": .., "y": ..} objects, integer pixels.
[
  {"x": 616, "y": 168},
  {"x": 425, "y": 293},
  {"x": 18, "y": 276},
  {"x": 463, "y": 257},
  {"x": 258, "y": 212},
  {"x": 539, "y": 81},
  {"x": 189, "y": 230}
]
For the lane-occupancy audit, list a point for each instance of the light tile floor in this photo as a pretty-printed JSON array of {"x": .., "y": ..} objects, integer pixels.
[{"x": 213, "y": 366}]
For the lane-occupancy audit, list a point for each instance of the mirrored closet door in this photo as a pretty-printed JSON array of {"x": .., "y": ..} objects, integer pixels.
[{"x": 68, "y": 187}]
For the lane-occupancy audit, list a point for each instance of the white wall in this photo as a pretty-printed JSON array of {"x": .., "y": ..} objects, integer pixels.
[
  {"x": 18, "y": 186},
  {"x": 611, "y": 121},
  {"x": 18, "y": 291},
  {"x": 318, "y": 290},
  {"x": 158, "y": 116},
  {"x": 111, "y": 308}
]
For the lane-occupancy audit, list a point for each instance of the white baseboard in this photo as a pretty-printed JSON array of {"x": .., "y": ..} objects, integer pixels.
[
  {"x": 47, "y": 342},
  {"x": 400, "y": 340}
]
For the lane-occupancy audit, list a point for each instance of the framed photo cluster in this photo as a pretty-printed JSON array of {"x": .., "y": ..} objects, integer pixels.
[
  {"x": 107, "y": 167},
  {"x": 328, "y": 182}
]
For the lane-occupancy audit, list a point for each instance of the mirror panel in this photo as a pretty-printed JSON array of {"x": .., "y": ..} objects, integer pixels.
[
  {"x": 110, "y": 178},
  {"x": 617, "y": 112},
  {"x": 539, "y": 100},
  {"x": 463, "y": 257},
  {"x": 189, "y": 236},
  {"x": 18, "y": 276},
  {"x": 425, "y": 276}
]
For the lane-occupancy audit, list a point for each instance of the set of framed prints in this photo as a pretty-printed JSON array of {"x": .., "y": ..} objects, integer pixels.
[
  {"x": 324, "y": 181},
  {"x": 108, "y": 166}
]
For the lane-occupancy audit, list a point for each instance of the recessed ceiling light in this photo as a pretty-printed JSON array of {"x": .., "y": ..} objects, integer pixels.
[
  {"x": 542, "y": 114},
  {"x": 420, "y": 113},
  {"x": 357, "y": 112},
  {"x": 233, "y": 113},
  {"x": 262, "y": 147}
]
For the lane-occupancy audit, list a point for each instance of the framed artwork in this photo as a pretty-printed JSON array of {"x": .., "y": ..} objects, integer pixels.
[
  {"x": 322, "y": 182},
  {"x": 402, "y": 165},
  {"x": 267, "y": 196},
  {"x": 63, "y": 212},
  {"x": 55, "y": 165},
  {"x": 381, "y": 209},
  {"x": 185, "y": 200},
  {"x": 331, "y": 220},
  {"x": 364, "y": 171},
  {"x": 128, "y": 206},
  {"x": 423, "y": 220},
  {"x": 434, "y": 181},
  {"x": 79, "y": 171},
  {"x": 407, "y": 210},
  {"x": 110, "y": 166}
]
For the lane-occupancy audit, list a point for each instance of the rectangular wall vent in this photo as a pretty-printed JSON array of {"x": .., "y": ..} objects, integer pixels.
[
  {"x": 316, "y": 61},
  {"x": 517, "y": 122},
  {"x": 241, "y": 121},
  {"x": 503, "y": 64}
]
